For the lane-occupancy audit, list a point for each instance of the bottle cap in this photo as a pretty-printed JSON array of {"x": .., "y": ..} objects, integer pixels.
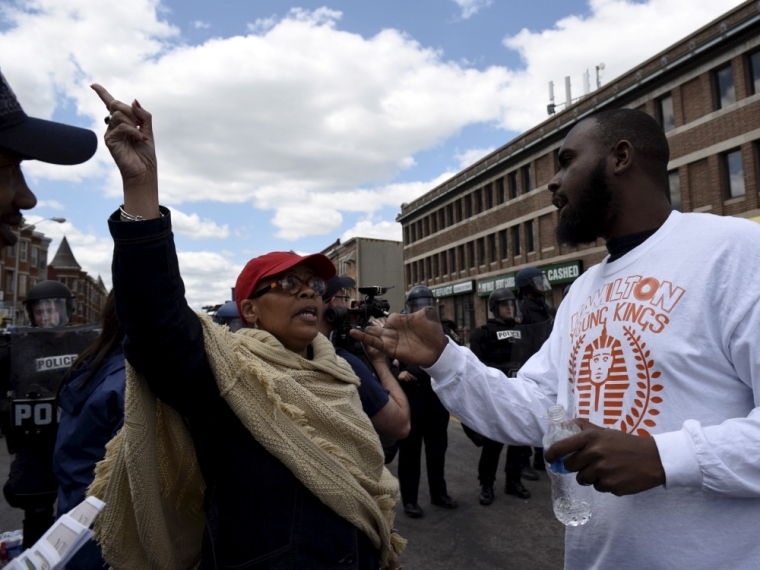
[{"x": 555, "y": 413}]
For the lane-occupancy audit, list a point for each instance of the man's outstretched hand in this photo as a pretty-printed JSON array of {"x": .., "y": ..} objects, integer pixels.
[{"x": 414, "y": 339}]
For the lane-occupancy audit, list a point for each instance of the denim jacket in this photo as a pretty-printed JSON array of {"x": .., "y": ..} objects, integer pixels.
[{"x": 258, "y": 514}]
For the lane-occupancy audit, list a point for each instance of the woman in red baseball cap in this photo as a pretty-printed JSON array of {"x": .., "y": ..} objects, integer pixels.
[{"x": 239, "y": 450}]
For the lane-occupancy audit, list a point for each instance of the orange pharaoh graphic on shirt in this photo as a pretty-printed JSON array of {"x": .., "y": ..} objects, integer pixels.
[{"x": 613, "y": 374}]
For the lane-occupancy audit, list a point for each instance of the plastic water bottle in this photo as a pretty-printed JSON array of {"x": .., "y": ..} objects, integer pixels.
[{"x": 572, "y": 502}]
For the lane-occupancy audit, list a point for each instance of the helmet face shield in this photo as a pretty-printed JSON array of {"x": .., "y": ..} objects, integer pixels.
[
  {"x": 419, "y": 303},
  {"x": 541, "y": 283},
  {"x": 47, "y": 313}
]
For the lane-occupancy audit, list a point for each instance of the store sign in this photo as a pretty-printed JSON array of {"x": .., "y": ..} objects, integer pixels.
[
  {"x": 562, "y": 272},
  {"x": 556, "y": 274},
  {"x": 488, "y": 286},
  {"x": 450, "y": 290}
]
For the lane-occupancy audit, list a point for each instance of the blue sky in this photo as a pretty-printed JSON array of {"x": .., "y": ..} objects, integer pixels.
[{"x": 285, "y": 126}]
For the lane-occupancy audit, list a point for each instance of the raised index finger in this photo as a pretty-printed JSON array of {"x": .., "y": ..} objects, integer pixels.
[{"x": 104, "y": 95}]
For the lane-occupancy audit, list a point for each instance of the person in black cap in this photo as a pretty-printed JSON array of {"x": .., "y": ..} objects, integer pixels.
[
  {"x": 27, "y": 138},
  {"x": 30, "y": 486},
  {"x": 382, "y": 398}
]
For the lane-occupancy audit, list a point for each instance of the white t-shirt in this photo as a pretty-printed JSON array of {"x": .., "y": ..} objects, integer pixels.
[{"x": 665, "y": 342}]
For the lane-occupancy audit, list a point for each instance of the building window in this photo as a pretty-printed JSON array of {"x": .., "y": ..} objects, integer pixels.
[
  {"x": 481, "y": 251},
  {"x": 468, "y": 206},
  {"x": 43, "y": 260},
  {"x": 462, "y": 264},
  {"x": 512, "y": 180},
  {"x": 733, "y": 173},
  {"x": 527, "y": 183},
  {"x": 434, "y": 222},
  {"x": 409, "y": 277},
  {"x": 500, "y": 197},
  {"x": 725, "y": 92},
  {"x": 665, "y": 112},
  {"x": 478, "y": 201},
  {"x": 435, "y": 266},
  {"x": 24, "y": 249},
  {"x": 489, "y": 196},
  {"x": 425, "y": 227},
  {"x": 754, "y": 72},
  {"x": 22, "y": 285},
  {"x": 441, "y": 219},
  {"x": 444, "y": 263},
  {"x": 471, "y": 254},
  {"x": 413, "y": 232},
  {"x": 413, "y": 270},
  {"x": 9, "y": 282},
  {"x": 62, "y": 280},
  {"x": 674, "y": 190},
  {"x": 516, "y": 241},
  {"x": 503, "y": 244},
  {"x": 406, "y": 235},
  {"x": 35, "y": 255},
  {"x": 458, "y": 206},
  {"x": 529, "y": 238},
  {"x": 12, "y": 250},
  {"x": 492, "y": 248},
  {"x": 421, "y": 271},
  {"x": 450, "y": 212}
]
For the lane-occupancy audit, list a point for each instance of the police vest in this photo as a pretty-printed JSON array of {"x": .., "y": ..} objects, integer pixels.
[{"x": 496, "y": 342}]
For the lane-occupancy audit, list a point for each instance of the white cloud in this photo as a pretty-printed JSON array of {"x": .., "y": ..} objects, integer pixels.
[
  {"x": 199, "y": 24},
  {"x": 620, "y": 33},
  {"x": 472, "y": 155},
  {"x": 299, "y": 116},
  {"x": 472, "y": 7},
  {"x": 192, "y": 226},
  {"x": 380, "y": 230}
]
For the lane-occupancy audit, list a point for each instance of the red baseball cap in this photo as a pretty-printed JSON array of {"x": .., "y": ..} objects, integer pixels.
[{"x": 276, "y": 262}]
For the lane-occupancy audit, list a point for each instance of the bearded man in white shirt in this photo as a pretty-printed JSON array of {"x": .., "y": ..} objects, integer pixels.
[{"x": 678, "y": 472}]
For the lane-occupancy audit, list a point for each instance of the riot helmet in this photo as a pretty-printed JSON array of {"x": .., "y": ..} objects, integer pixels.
[
  {"x": 419, "y": 297},
  {"x": 503, "y": 304},
  {"x": 49, "y": 304},
  {"x": 532, "y": 281},
  {"x": 228, "y": 315}
]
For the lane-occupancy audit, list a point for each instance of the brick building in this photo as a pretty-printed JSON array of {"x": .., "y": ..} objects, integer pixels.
[
  {"x": 472, "y": 233},
  {"x": 369, "y": 262},
  {"x": 29, "y": 256},
  {"x": 90, "y": 292}
]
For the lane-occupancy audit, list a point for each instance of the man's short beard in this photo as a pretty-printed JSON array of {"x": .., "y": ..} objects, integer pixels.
[{"x": 583, "y": 221}]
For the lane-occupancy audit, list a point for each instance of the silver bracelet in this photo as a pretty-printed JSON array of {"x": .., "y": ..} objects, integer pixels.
[{"x": 125, "y": 216}]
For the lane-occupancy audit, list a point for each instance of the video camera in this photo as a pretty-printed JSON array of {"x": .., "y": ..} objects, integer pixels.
[{"x": 344, "y": 319}]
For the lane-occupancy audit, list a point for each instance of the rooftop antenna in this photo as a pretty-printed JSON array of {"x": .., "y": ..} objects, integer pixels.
[
  {"x": 568, "y": 94},
  {"x": 550, "y": 108},
  {"x": 599, "y": 68},
  {"x": 586, "y": 83}
]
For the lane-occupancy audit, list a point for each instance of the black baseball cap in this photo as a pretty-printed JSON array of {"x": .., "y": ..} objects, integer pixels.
[
  {"x": 38, "y": 139},
  {"x": 335, "y": 284}
]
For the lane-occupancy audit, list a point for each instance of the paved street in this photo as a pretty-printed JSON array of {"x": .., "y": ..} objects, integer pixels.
[{"x": 509, "y": 534}]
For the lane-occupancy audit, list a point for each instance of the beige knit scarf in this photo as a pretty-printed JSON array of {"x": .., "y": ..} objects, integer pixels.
[{"x": 306, "y": 413}]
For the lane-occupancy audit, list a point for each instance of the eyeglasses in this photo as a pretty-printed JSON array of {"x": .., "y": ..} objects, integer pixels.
[{"x": 292, "y": 284}]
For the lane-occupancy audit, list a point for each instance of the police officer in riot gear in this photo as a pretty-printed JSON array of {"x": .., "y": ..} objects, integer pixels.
[
  {"x": 532, "y": 286},
  {"x": 39, "y": 356},
  {"x": 492, "y": 344},
  {"x": 49, "y": 304},
  {"x": 429, "y": 423}
]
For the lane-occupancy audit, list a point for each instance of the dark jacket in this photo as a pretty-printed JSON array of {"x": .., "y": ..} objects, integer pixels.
[
  {"x": 90, "y": 416},
  {"x": 258, "y": 514}
]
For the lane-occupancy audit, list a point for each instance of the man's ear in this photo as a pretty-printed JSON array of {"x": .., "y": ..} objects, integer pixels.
[
  {"x": 248, "y": 310},
  {"x": 623, "y": 155}
]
